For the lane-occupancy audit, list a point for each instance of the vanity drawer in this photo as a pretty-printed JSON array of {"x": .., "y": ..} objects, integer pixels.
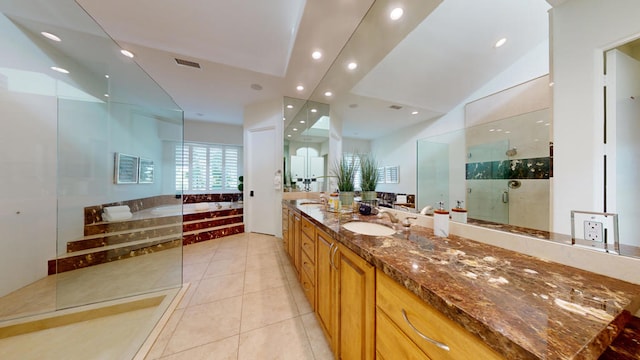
[
  {"x": 308, "y": 247},
  {"x": 309, "y": 288},
  {"x": 392, "y": 343},
  {"x": 308, "y": 228},
  {"x": 397, "y": 303},
  {"x": 309, "y": 267}
]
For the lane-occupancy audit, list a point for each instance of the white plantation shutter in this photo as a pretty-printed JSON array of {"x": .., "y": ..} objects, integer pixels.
[
  {"x": 357, "y": 181},
  {"x": 231, "y": 164},
  {"x": 207, "y": 167},
  {"x": 216, "y": 168},
  {"x": 182, "y": 167}
]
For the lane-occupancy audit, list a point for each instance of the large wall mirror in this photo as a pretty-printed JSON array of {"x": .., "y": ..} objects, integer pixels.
[
  {"x": 622, "y": 98},
  {"x": 306, "y": 145},
  {"x": 499, "y": 168}
]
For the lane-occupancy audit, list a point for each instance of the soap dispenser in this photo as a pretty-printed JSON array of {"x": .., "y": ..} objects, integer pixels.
[
  {"x": 441, "y": 221},
  {"x": 458, "y": 213}
]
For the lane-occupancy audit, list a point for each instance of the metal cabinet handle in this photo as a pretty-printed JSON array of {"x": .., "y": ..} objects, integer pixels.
[
  {"x": 330, "y": 255},
  {"x": 335, "y": 250},
  {"x": 434, "y": 342},
  {"x": 505, "y": 197}
]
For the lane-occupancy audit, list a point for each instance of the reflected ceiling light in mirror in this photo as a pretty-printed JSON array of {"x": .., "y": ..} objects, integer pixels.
[
  {"x": 106, "y": 95},
  {"x": 295, "y": 129},
  {"x": 289, "y": 135},
  {"x": 500, "y": 42},
  {"x": 301, "y": 121},
  {"x": 328, "y": 93},
  {"x": 127, "y": 53},
  {"x": 106, "y": 76},
  {"x": 414, "y": 113},
  {"x": 60, "y": 70},
  {"x": 50, "y": 36},
  {"x": 314, "y": 110},
  {"x": 299, "y": 87},
  {"x": 396, "y": 13},
  {"x": 352, "y": 65},
  {"x": 316, "y": 55},
  {"x": 289, "y": 106},
  {"x": 284, "y": 119}
]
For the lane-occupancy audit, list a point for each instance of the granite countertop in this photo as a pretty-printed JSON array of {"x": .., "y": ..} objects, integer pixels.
[{"x": 523, "y": 307}]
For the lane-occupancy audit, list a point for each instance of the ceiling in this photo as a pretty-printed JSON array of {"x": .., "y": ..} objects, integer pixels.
[{"x": 429, "y": 61}]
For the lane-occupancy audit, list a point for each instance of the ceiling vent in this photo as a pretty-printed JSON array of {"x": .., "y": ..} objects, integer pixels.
[
  {"x": 395, "y": 107},
  {"x": 188, "y": 63}
]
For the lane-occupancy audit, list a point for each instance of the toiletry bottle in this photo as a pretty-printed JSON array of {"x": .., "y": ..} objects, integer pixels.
[
  {"x": 458, "y": 213},
  {"x": 334, "y": 202},
  {"x": 441, "y": 221}
]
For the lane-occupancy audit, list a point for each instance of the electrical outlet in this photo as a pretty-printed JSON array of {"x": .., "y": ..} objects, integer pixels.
[{"x": 593, "y": 231}]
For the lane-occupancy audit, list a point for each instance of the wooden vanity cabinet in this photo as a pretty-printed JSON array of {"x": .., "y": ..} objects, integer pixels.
[
  {"x": 285, "y": 228},
  {"x": 404, "y": 322},
  {"x": 307, "y": 261},
  {"x": 293, "y": 248},
  {"x": 345, "y": 297}
]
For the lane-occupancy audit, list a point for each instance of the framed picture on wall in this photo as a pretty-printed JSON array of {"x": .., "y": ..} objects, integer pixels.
[
  {"x": 145, "y": 172},
  {"x": 126, "y": 169}
]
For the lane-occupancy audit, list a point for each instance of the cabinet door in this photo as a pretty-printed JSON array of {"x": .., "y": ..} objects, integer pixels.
[
  {"x": 285, "y": 228},
  {"x": 297, "y": 243},
  {"x": 290, "y": 242},
  {"x": 355, "y": 305},
  {"x": 324, "y": 284}
]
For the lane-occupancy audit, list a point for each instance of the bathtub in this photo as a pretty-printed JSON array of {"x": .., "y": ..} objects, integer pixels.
[{"x": 192, "y": 208}]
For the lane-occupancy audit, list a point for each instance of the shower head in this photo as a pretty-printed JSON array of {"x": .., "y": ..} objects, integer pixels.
[{"x": 511, "y": 152}]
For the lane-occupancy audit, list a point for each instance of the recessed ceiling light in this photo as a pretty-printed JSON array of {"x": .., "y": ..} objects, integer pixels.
[
  {"x": 316, "y": 55},
  {"x": 127, "y": 53},
  {"x": 314, "y": 110},
  {"x": 284, "y": 119},
  {"x": 289, "y": 135},
  {"x": 106, "y": 95},
  {"x": 301, "y": 121},
  {"x": 500, "y": 42},
  {"x": 547, "y": 124},
  {"x": 59, "y": 69},
  {"x": 507, "y": 132},
  {"x": 352, "y": 65},
  {"x": 551, "y": 83},
  {"x": 289, "y": 106},
  {"x": 299, "y": 87},
  {"x": 492, "y": 130},
  {"x": 256, "y": 87},
  {"x": 295, "y": 129},
  {"x": 414, "y": 113},
  {"x": 396, "y": 13},
  {"x": 50, "y": 36},
  {"x": 539, "y": 121},
  {"x": 106, "y": 76},
  {"x": 328, "y": 93}
]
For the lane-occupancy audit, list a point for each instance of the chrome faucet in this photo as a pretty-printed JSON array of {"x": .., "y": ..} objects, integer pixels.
[
  {"x": 406, "y": 223},
  {"x": 392, "y": 217}
]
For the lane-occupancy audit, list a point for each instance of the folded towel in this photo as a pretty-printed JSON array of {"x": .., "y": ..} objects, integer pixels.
[
  {"x": 117, "y": 216},
  {"x": 117, "y": 209},
  {"x": 202, "y": 206}
]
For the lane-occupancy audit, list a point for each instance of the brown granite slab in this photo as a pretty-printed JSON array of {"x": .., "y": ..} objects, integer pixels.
[
  {"x": 523, "y": 307},
  {"x": 627, "y": 345}
]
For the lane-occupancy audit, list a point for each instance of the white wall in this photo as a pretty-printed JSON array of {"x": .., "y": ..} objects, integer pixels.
[
  {"x": 356, "y": 146},
  {"x": 581, "y": 31},
  {"x": 216, "y": 133},
  {"x": 399, "y": 148}
]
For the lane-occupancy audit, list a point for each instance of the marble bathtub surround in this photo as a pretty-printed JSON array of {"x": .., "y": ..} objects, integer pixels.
[{"x": 524, "y": 307}]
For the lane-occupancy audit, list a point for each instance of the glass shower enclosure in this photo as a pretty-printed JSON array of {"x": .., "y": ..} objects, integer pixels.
[{"x": 84, "y": 132}]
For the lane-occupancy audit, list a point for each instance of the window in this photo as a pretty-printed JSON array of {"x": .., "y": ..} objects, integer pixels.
[{"x": 207, "y": 167}]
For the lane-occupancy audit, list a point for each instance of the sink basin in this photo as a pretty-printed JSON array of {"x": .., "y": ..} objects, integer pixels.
[{"x": 366, "y": 228}]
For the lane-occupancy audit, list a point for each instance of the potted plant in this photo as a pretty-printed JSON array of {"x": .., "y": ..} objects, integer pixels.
[
  {"x": 369, "y": 172},
  {"x": 344, "y": 171}
]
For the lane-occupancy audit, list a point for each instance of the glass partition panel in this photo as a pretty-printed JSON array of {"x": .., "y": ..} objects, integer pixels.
[{"x": 72, "y": 105}]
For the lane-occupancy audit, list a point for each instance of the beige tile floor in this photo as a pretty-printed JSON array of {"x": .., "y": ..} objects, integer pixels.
[{"x": 244, "y": 302}]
